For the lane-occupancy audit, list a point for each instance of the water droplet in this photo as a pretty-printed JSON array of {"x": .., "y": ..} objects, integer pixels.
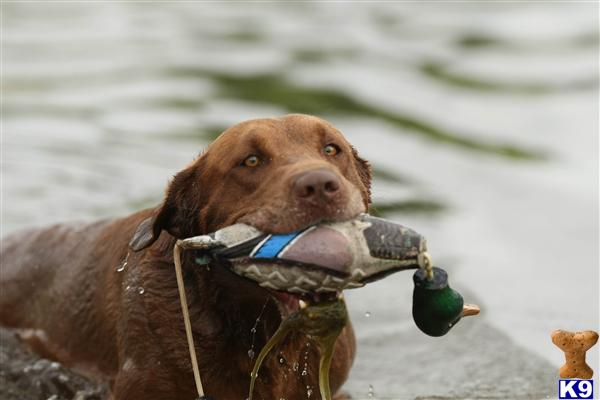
[
  {"x": 281, "y": 360},
  {"x": 304, "y": 372},
  {"x": 368, "y": 314},
  {"x": 141, "y": 290},
  {"x": 371, "y": 392},
  {"x": 128, "y": 287},
  {"x": 251, "y": 354},
  {"x": 253, "y": 375},
  {"x": 40, "y": 365},
  {"x": 295, "y": 366},
  {"x": 253, "y": 330},
  {"x": 308, "y": 391},
  {"x": 121, "y": 267}
]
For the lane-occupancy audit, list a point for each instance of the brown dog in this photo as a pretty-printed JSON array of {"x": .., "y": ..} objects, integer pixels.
[{"x": 103, "y": 297}]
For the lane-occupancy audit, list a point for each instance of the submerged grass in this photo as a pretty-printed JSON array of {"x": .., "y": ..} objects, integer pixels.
[
  {"x": 440, "y": 73},
  {"x": 479, "y": 41},
  {"x": 412, "y": 206},
  {"x": 386, "y": 175},
  {"x": 476, "y": 41}
]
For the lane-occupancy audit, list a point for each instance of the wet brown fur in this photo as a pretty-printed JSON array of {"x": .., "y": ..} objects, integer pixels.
[{"x": 60, "y": 288}]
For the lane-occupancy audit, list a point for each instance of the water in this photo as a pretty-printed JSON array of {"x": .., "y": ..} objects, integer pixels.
[
  {"x": 123, "y": 264},
  {"x": 371, "y": 392},
  {"x": 253, "y": 330},
  {"x": 480, "y": 120}
]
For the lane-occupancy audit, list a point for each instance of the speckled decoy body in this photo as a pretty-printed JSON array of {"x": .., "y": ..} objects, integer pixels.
[{"x": 328, "y": 257}]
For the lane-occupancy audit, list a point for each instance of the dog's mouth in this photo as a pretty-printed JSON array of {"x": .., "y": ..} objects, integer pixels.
[
  {"x": 290, "y": 303},
  {"x": 314, "y": 264},
  {"x": 291, "y": 300},
  {"x": 274, "y": 276}
]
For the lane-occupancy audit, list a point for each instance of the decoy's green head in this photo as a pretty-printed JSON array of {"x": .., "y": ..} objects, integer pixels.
[{"x": 436, "y": 306}]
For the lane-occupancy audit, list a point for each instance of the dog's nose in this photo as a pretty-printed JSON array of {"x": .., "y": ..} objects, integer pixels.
[{"x": 316, "y": 184}]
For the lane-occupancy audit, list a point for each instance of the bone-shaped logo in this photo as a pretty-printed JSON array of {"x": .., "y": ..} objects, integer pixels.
[{"x": 574, "y": 345}]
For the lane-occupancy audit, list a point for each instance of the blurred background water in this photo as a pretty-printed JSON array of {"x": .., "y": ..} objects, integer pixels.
[{"x": 480, "y": 119}]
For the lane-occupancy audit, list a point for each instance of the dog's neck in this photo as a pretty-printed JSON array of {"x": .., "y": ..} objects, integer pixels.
[
  {"x": 232, "y": 319},
  {"x": 243, "y": 313},
  {"x": 244, "y": 319}
]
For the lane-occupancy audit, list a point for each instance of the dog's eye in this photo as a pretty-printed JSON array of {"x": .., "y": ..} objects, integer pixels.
[
  {"x": 331, "y": 150},
  {"x": 251, "y": 161}
]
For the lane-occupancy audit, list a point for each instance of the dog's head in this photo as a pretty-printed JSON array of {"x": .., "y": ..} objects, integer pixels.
[{"x": 279, "y": 175}]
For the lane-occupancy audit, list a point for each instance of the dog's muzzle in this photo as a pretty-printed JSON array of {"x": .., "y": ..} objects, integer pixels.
[{"x": 328, "y": 257}]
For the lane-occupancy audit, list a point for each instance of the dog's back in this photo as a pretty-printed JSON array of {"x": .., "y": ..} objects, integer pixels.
[{"x": 56, "y": 289}]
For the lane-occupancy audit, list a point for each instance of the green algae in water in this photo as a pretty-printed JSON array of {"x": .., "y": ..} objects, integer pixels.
[{"x": 322, "y": 322}]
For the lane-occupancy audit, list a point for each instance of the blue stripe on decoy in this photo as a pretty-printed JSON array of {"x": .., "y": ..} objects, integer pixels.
[{"x": 273, "y": 246}]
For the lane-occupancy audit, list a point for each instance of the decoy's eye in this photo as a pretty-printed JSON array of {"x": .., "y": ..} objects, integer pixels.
[
  {"x": 331, "y": 150},
  {"x": 251, "y": 161}
]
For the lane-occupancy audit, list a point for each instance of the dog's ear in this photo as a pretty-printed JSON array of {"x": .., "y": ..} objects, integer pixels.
[
  {"x": 176, "y": 215},
  {"x": 144, "y": 234},
  {"x": 363, "y": 167}
]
